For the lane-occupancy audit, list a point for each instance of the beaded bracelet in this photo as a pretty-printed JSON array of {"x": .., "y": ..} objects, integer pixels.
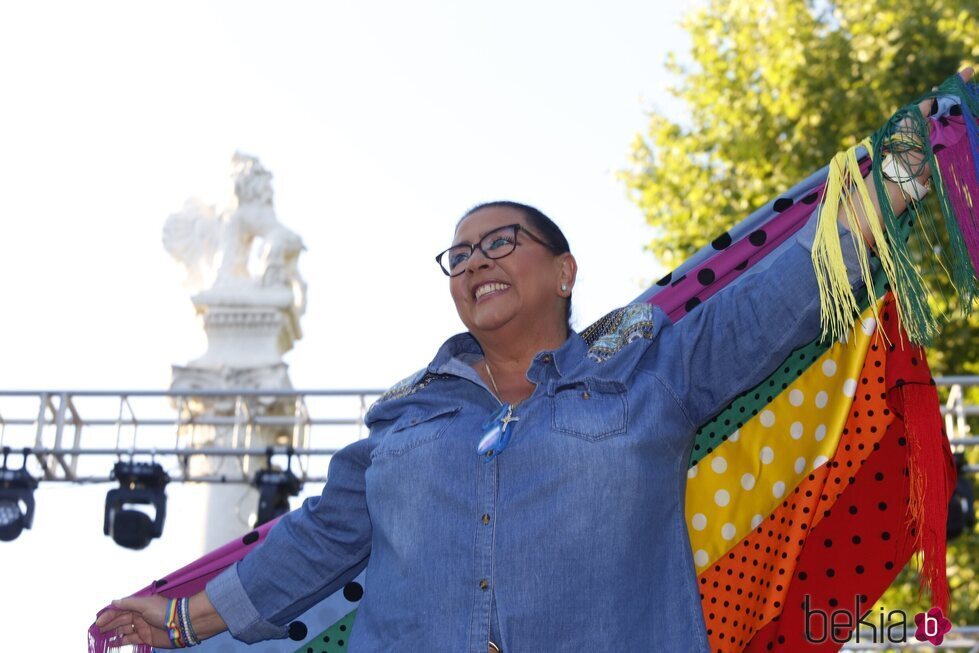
[{"x": 188, "y": 631}]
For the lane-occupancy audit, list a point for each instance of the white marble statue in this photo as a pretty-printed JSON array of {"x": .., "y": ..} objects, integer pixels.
[
  {"x": 242, "y": 267},
  {"x": 242, "y": 254}
]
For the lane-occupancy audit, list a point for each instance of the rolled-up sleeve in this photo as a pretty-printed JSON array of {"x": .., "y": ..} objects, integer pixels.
[
  {"x": 731, "y": 342},
  {"x": 311, "y": 553}
]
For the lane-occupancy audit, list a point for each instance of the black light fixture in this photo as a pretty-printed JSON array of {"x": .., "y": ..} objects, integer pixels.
[
  {"x": 139, "y": 484},
  {"x": 16, "y": 498},
  {"x": 274, "y": 489}
]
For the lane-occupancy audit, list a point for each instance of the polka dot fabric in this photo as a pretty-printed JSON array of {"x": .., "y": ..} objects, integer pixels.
[
  {"x": 838, "y": 533},
  {"x": 747, "y": 477}
]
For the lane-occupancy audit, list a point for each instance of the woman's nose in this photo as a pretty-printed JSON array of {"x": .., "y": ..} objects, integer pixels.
[{"x": 473, "y": 264}]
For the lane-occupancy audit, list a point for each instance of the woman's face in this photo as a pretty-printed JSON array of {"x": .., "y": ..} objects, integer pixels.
[{"x": 523, "y": 287}]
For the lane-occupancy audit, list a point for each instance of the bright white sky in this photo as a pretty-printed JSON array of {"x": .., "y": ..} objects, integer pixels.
[{"x": 382, "y": 123}]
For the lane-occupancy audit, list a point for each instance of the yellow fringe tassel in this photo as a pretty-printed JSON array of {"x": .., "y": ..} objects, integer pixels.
[{"x": 846, "y": 194}]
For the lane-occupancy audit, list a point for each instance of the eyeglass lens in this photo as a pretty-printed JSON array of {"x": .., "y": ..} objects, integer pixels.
[{"x": 496, "y": 244}]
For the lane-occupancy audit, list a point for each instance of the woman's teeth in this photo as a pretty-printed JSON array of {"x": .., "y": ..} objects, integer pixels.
[{"x": 490, "y": 287}]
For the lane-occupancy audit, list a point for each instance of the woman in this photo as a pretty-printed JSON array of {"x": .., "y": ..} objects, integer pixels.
[{"x": 523, "y": 472}]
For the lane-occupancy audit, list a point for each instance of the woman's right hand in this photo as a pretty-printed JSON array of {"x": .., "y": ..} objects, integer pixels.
[{"x": 138, "y": 620}]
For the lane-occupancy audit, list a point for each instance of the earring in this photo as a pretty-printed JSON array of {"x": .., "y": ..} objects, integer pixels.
[{"x": 564, "y": 287}]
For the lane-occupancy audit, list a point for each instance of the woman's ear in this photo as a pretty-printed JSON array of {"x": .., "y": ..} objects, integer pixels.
[{"x": 567, "y": 273}]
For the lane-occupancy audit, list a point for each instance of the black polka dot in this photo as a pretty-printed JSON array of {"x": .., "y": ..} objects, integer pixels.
[
  {"x": 721, "y": 242},
  {"x": 297, "y": 631},
  {"x": 937, "y": 148},
  {"x": 159, "y": 583},
  {"x": 691, "y": 304},
  {"x": 353, "y": 591},
  {"x": 705, "y": 277},
  {"x": 757, "y": 238},
  {"x": 678, "y": 280},
  {"x": 955, "y": 110},
  {"x": 665, "y": 280},
  {"x": 742, "y": 265},
  {"x": 250, "y": 538},
  {"x": 933, "y": 109},
  {"x": 781, "y": 204},
  {"x": 810, "y": 198}
]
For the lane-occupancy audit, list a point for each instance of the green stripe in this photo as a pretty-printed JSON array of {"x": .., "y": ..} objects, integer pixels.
[{"x": 333, "y": 639}]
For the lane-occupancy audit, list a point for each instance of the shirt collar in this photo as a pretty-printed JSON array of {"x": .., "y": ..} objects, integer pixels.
[{"x": 463, "y": 348}]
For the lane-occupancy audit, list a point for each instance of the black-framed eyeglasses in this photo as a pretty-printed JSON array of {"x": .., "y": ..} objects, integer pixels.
[{"x": 495, "y": 245}]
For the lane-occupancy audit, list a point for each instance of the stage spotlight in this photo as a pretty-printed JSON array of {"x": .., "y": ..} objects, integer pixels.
[
  {"x": 16, "y": 498},
  {"x": 139, "y": 484},
  {"x": 274, "y": 489}
]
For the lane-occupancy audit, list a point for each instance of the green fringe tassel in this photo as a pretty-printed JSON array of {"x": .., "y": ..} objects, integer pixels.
[{"x": 911, "y": 239}]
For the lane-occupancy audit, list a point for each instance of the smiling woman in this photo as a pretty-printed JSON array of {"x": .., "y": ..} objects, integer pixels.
[{"x": 526, "y": 490}]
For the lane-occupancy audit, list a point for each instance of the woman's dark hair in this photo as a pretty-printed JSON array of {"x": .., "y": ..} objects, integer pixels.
[{"x": 549, "y": 232}]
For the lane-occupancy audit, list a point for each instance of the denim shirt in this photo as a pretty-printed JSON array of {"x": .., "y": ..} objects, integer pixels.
[{"x": 571, "y": 539}]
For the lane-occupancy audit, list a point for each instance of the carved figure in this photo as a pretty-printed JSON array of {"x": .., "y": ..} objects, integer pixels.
[{"x": 218, "y": 249}]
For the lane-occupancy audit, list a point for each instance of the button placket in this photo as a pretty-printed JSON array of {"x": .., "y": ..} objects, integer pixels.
[{"x": 486, "y": 490}]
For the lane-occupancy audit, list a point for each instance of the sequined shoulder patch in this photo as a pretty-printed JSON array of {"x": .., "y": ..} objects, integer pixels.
[
  {"x": 410, "y": 385},
  {"x": 617, "y": 329}
]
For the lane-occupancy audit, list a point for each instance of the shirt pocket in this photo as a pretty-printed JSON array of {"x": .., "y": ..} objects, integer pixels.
[
  {"x": 592, "y": 409},
  {"x": 415, "y": 427}
]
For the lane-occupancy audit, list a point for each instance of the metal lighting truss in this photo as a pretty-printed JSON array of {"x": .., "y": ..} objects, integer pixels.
[{"x": 77, "y": 436}]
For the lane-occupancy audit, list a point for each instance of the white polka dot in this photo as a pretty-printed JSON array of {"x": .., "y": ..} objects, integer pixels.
[
  {"x": 869, "y": 325},
  {"x": 722, "y": 498},
  {"x": 829, "y": 367},
  {"x": 719, "y": 465},
  {"x": 820, "y": 432},
  {"x": 796, "y": 397},
  {"x": 748, "y": 481},
  {"x": 796, "y": 430},
  {"x": 820, "y": 460},
  {"x": 767, "y": 455},
  {"x": 728, "y": 531},
  {"x": 734, "y": 436},
  {"x": 692, "y": 472},
  {"x": 800, "y": 464},
  {"x": 699, "y": 521},
  {"x": 850, "y": 387},
  {"x": 821, "y": 399},
  {"x": 767, "y": 418},
  {"x": 757, "y": 519},
  {"x": 700, "y": 557},
  {"x": 778, "y": 489}
]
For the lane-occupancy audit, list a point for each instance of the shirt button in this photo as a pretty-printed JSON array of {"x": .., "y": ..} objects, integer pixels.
[
  {"x": 586, "y": 395},
  {"x": 489, "y": 454},
  {"x": 484, "y": 584},
  {"x": 486, "y": 519},
  {"x": 546, "y": 358}
]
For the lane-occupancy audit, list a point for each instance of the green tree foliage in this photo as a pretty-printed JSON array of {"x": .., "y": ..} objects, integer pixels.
[{"x": 774, "y": 90}]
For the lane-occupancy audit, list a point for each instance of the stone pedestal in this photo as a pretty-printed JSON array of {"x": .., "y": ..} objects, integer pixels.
[{"x": 245, "y": 346}]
